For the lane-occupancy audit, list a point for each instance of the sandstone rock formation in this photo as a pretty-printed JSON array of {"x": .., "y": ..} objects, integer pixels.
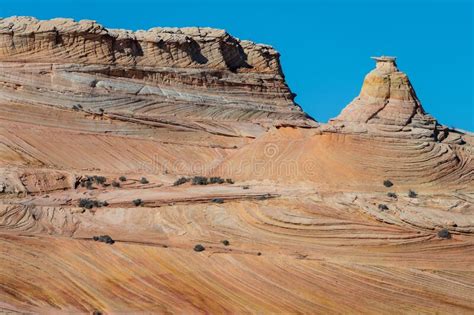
[
  {"x": 388, "y": 103},
  {"x": 387, "y": 98},
  {"x": 189, "y": 77},
  {"x": 87, "y": 112}
]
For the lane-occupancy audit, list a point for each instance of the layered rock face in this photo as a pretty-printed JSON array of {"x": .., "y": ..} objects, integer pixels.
[
  {"x": 27, "y": 39},
  {"x": 387, "y": 104},
  {"x": 110, "y": 132},
  {"x": 387, "y": 98},
  {"x": 195, "y": 77}
]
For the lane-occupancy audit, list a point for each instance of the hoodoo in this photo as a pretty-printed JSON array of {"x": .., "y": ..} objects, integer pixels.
[
  {"x": 387, "y": 103},
  {"x": 387, "y": 98}
]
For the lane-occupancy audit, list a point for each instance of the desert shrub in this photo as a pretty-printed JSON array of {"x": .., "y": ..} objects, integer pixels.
[
  {"x": 387, "y": 183},
  {"x": 181, "y": 181},
  {"x": 99, "y": 179},
  {"x": 75, "y": 107},
  {"x": 229, "y": 181},
  {"x": 137, "y": 202},
  {"x": 392, "y": 195},
  {"x": 217, "y": 200},
  {"x": 122, "y": 178},
  {"x": 88, "y": 181},
  {"x": 199, "y": 248},
  {"x": 89, "y": 185},
  {"x": 246, "y": 187},
  {"x": 86, "y": 203},
  {"x": 383, "y": 207},
  {"x": 103, "y": 238},
  {"x": 216, "y": 180},
  {"x": 412, "y": 194},
  {"x": 264, "y": 197},
  {"x": 226, "y": 242},
  {"x": 200, "y": 180},
  {"x": 259, "y": 254},
  {"x": 89, "y": 203},
  {"x": 444, "y": 233},
  {"x": 115, "y": 184},
  {"x": 143, "y": 180}
]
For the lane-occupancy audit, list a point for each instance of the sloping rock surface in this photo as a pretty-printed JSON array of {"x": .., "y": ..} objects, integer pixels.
[
  {"x": 103, "y": 132},
  {"x": 192, "y": 77}
]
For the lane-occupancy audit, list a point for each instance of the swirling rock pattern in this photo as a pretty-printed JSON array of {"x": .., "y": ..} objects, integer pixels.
[
  {"x": 173, "y": 76},
  {"x": 116, "y": 117},
  {"x": 388, "y": 105}
]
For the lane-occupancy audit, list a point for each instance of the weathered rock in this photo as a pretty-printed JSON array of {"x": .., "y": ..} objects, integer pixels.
[
  {"x": 193, "y": 77},
  {"x": 143, "y": 115},
  {"x": 87, "y": 42},
  {"x": 387, "y": 98},
  {"x": 386, "y": 103}
]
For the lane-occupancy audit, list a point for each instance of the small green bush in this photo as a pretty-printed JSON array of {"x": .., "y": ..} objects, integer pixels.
[
  {"x": 217, "y": 200},
  {"x": 264, "y": 197},
  {"x": 115, "y": 184},
  {"x": 99, "y": 179},
  {"x": 104, "y": 238},
  {"x": 199, "y": 248},
  {"x": 200, "y": 180},
  {"x": 181, "y": 181},
  {"x": 412, "y": 194},
  {"x": 89, "y": 185},
  {"x": 387, "y": 183},
  {"x": 138, "y": 202},
  {"x": 89, "y": 203},
  {"x": 444, "y": 233},
  {"x": 86, "y": 203},
  {"x": 144, "y": 181},
  {"x": 216, "y": 180}
]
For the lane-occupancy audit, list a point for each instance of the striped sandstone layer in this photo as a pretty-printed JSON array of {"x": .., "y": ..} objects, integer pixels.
[{"x": 303, "y": 216}]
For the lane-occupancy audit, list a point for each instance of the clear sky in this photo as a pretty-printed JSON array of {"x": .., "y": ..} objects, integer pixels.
[{"x": 325, "y": 45}]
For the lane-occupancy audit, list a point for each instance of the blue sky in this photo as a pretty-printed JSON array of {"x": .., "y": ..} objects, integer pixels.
[{"x": 325, "y": 45}]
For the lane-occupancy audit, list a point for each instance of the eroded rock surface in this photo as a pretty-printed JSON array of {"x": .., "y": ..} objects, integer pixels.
[
  {"x": 198, "y": 78},
  {"x": 387, "y": 105},
  {"x": 98, "y": 126}
]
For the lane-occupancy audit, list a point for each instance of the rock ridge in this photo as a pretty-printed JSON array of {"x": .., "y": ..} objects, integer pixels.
[
  {"x": 88, "y": 42},
  {"x": 176, "y": 76}
]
